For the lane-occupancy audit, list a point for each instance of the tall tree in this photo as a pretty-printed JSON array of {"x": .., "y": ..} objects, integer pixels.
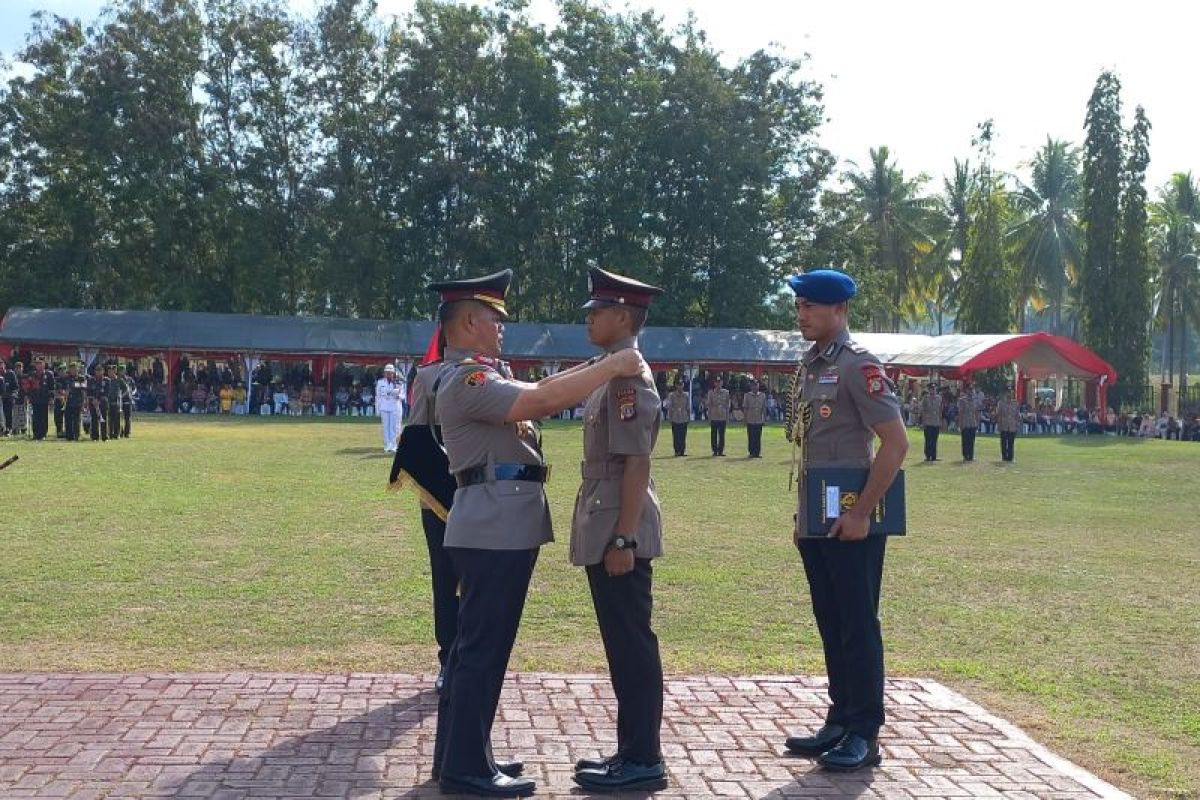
[
  {"x": 1131, "y": 278},
  {"x": 1047, "y": 234},
  {"x": 942, "y": 269},
  {"x": 986, "y": 287},
  {"x": 1175, "y": 245},
  {"x": 899, "y": 218},
  {"x": 1102, "y": 169}
]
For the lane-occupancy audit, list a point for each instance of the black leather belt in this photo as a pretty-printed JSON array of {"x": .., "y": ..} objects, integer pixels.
[{"x": 502, "y": 472}]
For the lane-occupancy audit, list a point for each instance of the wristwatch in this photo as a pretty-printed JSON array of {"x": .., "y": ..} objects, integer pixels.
[{"x": 620, "y": 542}]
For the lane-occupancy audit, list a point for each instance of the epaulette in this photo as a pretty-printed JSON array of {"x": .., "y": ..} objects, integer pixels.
[{"x": 856, "y": 348}]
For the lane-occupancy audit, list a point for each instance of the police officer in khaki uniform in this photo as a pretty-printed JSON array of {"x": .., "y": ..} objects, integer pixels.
[
  {"x": 679, "y": 413},
  {"x": 1008, "y": 422},
  {"x": 842, "y": 400},
  {"x": 717, "y": 404},
  {"x": 616, "y": 531},
  {"x": 498, "y": 520},
  {"x": 112, "y": 401},
  {"x": 754, "y": 406},
  {"x": 931, "y": 420},
  {"x": 968, "y": 422}
]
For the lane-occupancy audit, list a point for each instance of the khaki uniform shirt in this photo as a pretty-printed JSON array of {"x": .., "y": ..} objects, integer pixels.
[
  {"x": 849, "y": 393},
  {"x": 1008, "y": 416},
  {"x": 931, "y": 409},
  {"x": 679, "y": 407},
  {"x": 717, "y": 403},
  {"x": 620, "y": 419},
  {"x": 472, "y": 401},
  {"x": 968, "y": 414},
  {"x": 754, "y": 405}
]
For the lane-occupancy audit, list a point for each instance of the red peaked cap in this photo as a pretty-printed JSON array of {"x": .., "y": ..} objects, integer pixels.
[
  {"x": 610, "y": 289},
  {"x": 489, "y": 290}
]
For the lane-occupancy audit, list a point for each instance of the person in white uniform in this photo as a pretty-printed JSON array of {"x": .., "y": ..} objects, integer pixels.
[{"x": 388, "y": 391}]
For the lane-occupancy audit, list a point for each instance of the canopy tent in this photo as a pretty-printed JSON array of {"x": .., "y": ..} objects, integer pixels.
[{"x": 324, "y": 339}]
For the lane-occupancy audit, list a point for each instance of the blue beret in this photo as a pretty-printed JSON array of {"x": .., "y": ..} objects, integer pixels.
[{"x": 825, "y": 286}]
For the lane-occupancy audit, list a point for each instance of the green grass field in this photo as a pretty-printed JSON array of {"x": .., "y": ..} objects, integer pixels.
[{"x": 1062, "y": 591}]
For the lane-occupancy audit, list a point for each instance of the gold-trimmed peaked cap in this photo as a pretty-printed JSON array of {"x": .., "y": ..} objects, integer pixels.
[
  {"x": 489, "y": 290},
  {"x": 610, "y": 289}
]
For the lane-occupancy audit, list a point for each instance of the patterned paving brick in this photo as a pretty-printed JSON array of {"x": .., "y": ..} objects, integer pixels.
[{"x": 238, "y": 736}]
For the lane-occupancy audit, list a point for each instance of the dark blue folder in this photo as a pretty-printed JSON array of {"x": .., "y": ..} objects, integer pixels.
[{"x": 824, "y": 486}]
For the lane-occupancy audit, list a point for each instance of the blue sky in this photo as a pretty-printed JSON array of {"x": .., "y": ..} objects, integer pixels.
[{"x": 919, "y": 75}]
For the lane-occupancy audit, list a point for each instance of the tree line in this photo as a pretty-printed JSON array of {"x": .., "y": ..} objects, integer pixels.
[
  {"x": 226, "y": 155},
  {"x": 229, "y": 155}
]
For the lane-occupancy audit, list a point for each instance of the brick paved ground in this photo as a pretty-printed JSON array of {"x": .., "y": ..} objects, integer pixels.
[{"x": 246, "y": 735}]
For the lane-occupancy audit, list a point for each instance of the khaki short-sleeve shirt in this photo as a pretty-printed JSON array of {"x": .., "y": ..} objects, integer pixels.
[
  {"x": 472, "y": 402},
  {"x": 848, "y": 393},
  {"x": 619, "y": 419}
]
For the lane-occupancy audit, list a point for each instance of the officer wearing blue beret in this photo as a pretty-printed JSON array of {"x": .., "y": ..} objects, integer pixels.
[{"x": 839, "y": 401}]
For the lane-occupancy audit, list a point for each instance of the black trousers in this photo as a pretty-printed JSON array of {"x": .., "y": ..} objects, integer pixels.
[
  {"x": 1007, "y": 441},
  {"x": 968, "y": 444},
  {"x": 623, "y": 608},
  {"x": 494, "y": 585},
  {"x": 113, "y": 417},
  {"x": 7, "y": 404},
  {"x": 679, "y": 437},
  {"x": 74, "y": 422},
  {"x": 754, "y": 437},
  {"x": 60, "y": 419},
  {"x": 127, "y": 418},
  {"x": 98, "y": 425},
  {"x": 717, "y": 433},
  {"x": 41, "y": 420},
  {"x": 931, "y": 437},
  {"x": 844, "y": 581},
  {"x": 445, "y": 585}
]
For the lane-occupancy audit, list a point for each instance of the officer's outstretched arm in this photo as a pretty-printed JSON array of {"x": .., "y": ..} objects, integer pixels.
[{"x": 543, "y": 399}]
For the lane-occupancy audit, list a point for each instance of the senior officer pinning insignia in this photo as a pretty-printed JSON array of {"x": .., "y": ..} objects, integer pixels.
[
  {"x": 627, "y": 404},
  {"x": 476, "y": 378}
]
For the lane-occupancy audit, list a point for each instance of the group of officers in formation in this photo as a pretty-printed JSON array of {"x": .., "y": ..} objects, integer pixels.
[
  {"x": 66, "y": 394},
  {"x": 485, "y": 515},
  {"x": 718, "y": 408}
]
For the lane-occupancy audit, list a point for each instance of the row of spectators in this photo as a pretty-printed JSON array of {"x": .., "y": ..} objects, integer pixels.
[{"x": 1044, "y": 418}]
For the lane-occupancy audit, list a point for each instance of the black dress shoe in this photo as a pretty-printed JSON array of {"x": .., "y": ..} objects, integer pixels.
[
  {"x": 512, "y": 769},
  {"x": 621, "y": 775},
  {"x": 594, "y": 763},
  {"x": 818, "y": 743},
  {"x": 852, "y": 753},
  {"x": 498, "y": 785}
]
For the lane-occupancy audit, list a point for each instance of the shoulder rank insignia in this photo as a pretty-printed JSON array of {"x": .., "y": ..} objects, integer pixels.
[
  {"x": 627, "y": 404},
  {"x": 877, "y": 381},
  {"x": 855, "y": 347}
]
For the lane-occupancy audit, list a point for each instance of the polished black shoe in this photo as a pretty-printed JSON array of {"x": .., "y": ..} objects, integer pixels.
[
  {"x": 512, "y": 769},
  {"x": 621, "y": 776},
  {"x": 852, "y": 753},
  {"x": 499, "y": 785},
  {"x": 594, "y": 763},
  {"x": 818, "y": 743}
]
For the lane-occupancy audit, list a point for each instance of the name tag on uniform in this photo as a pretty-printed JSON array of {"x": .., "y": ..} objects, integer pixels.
[{"x": 827, "y": 378}]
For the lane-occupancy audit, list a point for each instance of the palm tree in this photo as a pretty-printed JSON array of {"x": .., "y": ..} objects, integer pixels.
[
  {"x": 1175, "y": 243},
  {"x": 900, "y": 222},
  {"x": 1046, "y": 241},
  {"x": 944, "y": 264}
]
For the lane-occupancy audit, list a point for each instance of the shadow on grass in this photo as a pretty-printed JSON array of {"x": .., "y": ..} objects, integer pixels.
[
  {"x": 1096, "y": 440},
  {"x": 335, "y": 762},
  {"x": 373, "y": 452}
]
